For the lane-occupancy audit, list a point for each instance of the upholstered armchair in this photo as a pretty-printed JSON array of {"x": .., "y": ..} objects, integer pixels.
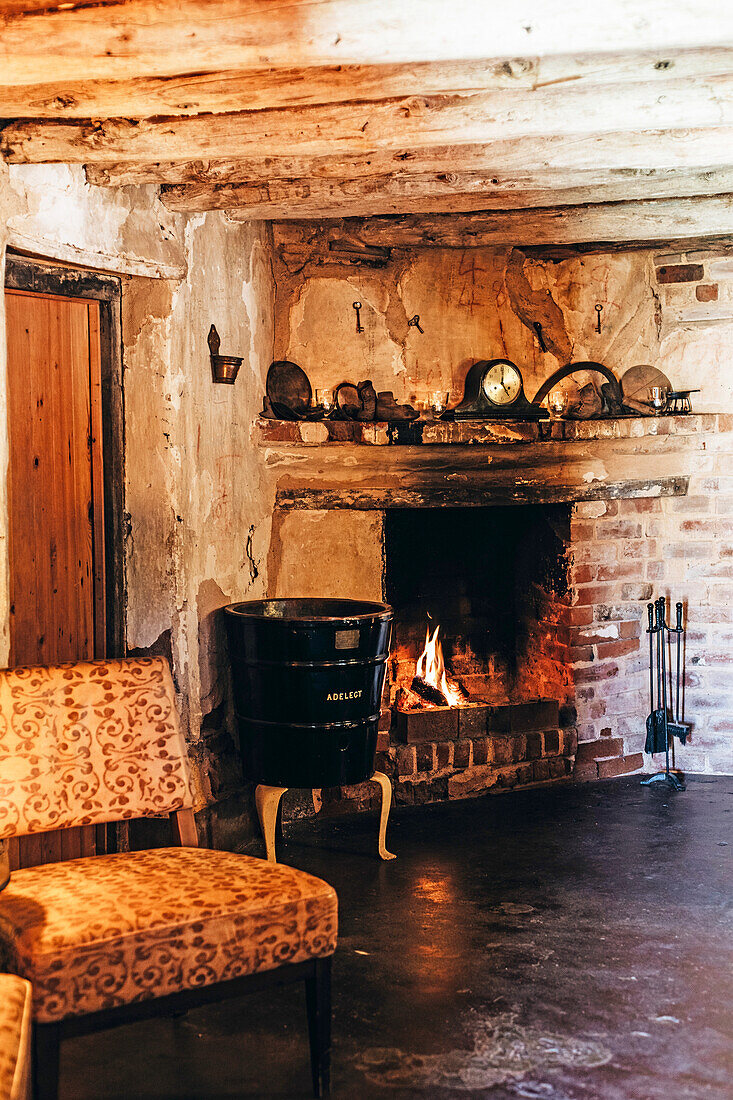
[
  {"x": 15, "y": 1038},
  {"x": 106, "y": 939}
]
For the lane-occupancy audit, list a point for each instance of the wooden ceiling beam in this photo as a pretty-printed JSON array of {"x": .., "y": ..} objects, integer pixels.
[
  {"x": 618, "y": 155},
  {"x": 392, "y": 125},
  {"x": 127, "y": 39},
  {"x": 655, "y": 220},
  {"x": 278, "y": 199},
  {"x": 226, "y": 92}
]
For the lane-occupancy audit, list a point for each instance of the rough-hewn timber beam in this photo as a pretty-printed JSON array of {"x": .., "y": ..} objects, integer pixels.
[
  {"x": 130, "y": 38},
  {"x": 621, "y": 155},
  {"x": 656, "y": 220},
  {"x": 449, "y": 191},
  {"x": 395, "y": 124},
  {"x": 230, "y": 91}
]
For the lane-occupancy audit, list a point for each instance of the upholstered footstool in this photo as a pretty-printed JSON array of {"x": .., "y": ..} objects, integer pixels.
[{"x": 15, "y": 1038}]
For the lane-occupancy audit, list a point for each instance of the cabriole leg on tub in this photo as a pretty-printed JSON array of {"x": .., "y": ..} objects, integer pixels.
[
  {"x": 267, "y": 800},
  {"x": 384, "y": 783}
]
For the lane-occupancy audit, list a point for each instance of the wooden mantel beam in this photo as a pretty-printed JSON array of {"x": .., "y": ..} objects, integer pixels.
[
  {"x": 656, "y": 220},
  {"x": 392, "y": 125},
  {"x": 127, "y": 39},
  {"x": 278, "y": 199}
]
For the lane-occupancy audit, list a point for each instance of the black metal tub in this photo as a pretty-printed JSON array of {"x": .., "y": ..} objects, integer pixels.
[{"x": 308, "y": 677}]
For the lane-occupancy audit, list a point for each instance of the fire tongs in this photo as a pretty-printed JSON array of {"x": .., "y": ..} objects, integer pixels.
[{"x": 659, "y": 729}]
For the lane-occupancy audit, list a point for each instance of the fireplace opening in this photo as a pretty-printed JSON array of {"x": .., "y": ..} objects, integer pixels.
[{"x": 490, "y": 586}]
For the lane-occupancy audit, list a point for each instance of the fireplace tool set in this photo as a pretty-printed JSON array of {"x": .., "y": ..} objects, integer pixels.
[{"x": 660, "y": 731}]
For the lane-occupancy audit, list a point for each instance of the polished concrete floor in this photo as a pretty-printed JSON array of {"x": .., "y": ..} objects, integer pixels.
[{"x": 571, "y": 943}]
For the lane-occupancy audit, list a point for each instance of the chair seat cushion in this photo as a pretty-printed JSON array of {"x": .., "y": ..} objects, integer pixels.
[
  {"x": 15, "y": 1038},
  {"x": 104, "y": 931}
]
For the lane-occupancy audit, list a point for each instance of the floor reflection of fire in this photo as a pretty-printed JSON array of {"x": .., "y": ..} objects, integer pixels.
[{"x": 432, "y": 685}]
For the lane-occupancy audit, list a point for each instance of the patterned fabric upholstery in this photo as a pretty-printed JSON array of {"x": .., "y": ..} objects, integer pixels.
[
  {"x": 90, "y": 742},
  {"x": 103, "y": 931},
  {"x": 15, "y": 1038}
]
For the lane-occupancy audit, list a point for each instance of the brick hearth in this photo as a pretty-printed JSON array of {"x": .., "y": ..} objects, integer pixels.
[{"x": 651, "y": 513}]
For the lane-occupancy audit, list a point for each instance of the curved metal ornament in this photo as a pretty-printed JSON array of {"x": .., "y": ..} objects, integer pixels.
[{"x": 615, "y": 397}]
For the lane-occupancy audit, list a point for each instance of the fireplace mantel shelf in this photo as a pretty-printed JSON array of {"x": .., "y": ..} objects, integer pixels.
[
  {"x": 441, "y": 433},
  {"x": 324, "y": 465}
]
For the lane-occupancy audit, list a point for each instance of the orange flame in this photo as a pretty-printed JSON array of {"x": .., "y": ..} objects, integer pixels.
[{"x": 431, "y": 668}]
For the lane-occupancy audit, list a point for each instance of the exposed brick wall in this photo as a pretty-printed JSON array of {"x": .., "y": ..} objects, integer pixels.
[
  {"x": 629, "y": 552},
  {"x": 585, "y": 644}
]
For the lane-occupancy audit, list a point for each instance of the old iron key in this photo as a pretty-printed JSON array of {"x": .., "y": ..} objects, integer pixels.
[
  {"x": 359, "y": 326},
  {"x": 414, "y": 322},
  {"x": 599, "y": 310}
]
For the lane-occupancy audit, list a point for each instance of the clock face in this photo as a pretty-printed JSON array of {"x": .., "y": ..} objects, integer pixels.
[{"x": 502, "y": 384}]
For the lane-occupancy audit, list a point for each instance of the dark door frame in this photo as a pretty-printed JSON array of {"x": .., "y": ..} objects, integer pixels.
[{"x": 44, "y": 277}]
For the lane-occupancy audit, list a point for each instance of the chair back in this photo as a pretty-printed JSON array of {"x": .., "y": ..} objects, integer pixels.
[{"x": 86, "y": 743}]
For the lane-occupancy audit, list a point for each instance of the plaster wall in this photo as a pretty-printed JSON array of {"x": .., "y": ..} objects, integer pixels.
[
  {"x": 198, "y": 504},
  {"x": 481, "y": 304}
]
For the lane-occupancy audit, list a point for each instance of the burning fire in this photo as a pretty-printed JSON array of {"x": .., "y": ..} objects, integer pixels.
[{"x": 430, "y": 669}]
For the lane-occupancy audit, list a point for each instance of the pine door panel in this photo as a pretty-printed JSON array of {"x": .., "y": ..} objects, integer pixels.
[{"x": 55, "y": 501}]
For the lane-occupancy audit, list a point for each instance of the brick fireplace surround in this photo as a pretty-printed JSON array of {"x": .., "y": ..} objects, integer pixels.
[{"x": 650, "y": 506}]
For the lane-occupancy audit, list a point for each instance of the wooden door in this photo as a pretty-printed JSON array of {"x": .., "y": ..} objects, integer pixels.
[{"x": 56, "y": 505}]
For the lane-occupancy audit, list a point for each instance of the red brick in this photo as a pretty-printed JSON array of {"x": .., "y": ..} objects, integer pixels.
[
  {"x": 591, "y": 594},
  {"x": 443, "y": 755},
  {"x": 552, "y": 742},
  {"x": 617, "y": 649},
  {"x": 588, "y": 751},
  {"x": 618, "y": 572},
  {"x": 508, "y": 750},
  {"x": 559, "y": 767},
  {"x": 382, "y": 742},
  {"x": 707, "y": 292},
  {"x": 619, "y": 529},
  {"x": 569, "y": 742},
  {"x": 600, "y": 671},
  {"x": 540, "y": 770},
  {"x": 640, "y": 591},
  {"x": 461, "y": 754},
  {"x": 580, "y": 653},
  {"x": 405, "y": 760},
  {"x": 582, "y": 532},
  {"x": 638, "y": 505},
  {"x": 481, "y": 751},
  {"x": 620, "y": 765},
  {"x": 432, "y": 724},
  {"x": 523, "y": 774},
  {"x": 699, "y": 527},
  {"x": 534, "y": 746},
  {"x": 584, "y": 772},
  {"x": 425, "y": 757},
  {"x": 680, "y": 273}
]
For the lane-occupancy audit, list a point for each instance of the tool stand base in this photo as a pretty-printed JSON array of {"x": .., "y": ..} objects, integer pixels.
[{"x": 673, "y": 781}]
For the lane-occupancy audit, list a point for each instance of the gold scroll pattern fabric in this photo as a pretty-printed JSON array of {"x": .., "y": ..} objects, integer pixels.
[
  {"x": 103, "y": 931},
  {"x": 85, "y": 743},
  {"x": 15, "y": 1038}
]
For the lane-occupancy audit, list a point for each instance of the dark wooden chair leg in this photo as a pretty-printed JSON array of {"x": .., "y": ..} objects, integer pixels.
[
  {"x": 46, "y": 1043},
  {"x": 318, "y": 998}
]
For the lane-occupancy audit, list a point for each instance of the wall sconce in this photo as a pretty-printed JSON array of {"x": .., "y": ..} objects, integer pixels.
[{"x": 224, "y": 368}]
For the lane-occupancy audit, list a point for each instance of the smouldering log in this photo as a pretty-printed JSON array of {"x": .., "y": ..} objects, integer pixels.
[{"x": 429, "y": 693}]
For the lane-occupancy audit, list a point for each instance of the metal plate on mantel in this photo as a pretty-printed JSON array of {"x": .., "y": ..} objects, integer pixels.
[
  {"x": 287, "y": 384},
  {"x": 637, "y": 383}
]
